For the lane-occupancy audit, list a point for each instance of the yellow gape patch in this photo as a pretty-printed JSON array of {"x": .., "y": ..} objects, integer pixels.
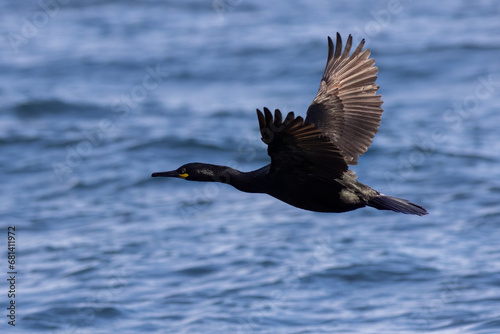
[{"x": 183, "y": 175}]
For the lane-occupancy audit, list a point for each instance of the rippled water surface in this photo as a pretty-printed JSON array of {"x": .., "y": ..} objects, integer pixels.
[{"x": 96, "y": 95}]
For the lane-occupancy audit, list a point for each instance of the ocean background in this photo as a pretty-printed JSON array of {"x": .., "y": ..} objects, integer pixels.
[{"x": 97, "y": 95}]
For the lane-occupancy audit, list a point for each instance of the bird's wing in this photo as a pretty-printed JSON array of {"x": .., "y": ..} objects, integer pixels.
[
  {"x": 346, "y": 107},
  {"x": 295, "y": 146}
]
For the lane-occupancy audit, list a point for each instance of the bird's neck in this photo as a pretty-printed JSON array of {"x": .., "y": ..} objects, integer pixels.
[{"x": 250, "y": 182}]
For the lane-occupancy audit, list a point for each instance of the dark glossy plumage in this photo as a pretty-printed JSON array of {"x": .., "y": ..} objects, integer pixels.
[{"x": 310, "y": 158}]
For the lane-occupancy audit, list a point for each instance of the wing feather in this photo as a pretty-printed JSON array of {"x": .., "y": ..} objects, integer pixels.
[
  {"x": 298, "y": 147},
  {"x": 346, "y": 107}
]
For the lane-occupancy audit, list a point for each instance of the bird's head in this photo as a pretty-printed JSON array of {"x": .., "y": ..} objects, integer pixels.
[{"x": 195, "y": 172}]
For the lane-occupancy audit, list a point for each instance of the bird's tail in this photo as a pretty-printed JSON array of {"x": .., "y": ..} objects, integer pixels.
[{"x": 384, "y": 202}]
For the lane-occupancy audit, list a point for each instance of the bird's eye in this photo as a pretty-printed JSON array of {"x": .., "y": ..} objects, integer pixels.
[{"x": 182, "y": 170}]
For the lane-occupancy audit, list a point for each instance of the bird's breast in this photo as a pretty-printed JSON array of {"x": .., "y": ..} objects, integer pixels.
[{"x": 315, "y": 195}]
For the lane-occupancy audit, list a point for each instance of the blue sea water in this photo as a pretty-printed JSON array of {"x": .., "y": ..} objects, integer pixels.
[{"x": 97, "y": 95}]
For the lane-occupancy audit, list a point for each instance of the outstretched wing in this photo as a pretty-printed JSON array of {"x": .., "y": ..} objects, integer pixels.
[
  {"x": 295, "y": 146},
  {"x": 346, "y": 107}
]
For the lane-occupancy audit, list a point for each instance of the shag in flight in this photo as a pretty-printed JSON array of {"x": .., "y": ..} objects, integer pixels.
[{"x": 310, "y": 158}]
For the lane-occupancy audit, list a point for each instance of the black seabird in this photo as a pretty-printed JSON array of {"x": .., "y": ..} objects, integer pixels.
[{"x": 310, "y": 158}]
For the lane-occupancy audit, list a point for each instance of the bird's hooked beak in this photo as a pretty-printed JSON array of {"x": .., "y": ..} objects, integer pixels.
[{"x": 173, "y": 173}]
